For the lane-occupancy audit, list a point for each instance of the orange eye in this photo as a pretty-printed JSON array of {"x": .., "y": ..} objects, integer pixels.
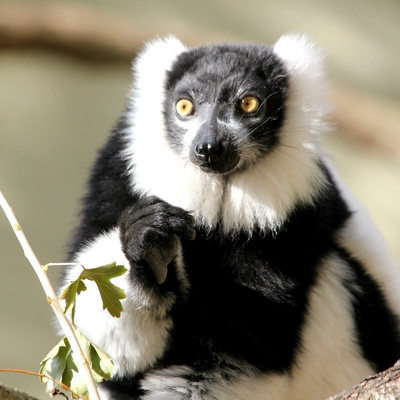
[
  {"x": 184, "y": 107},
  {"x": 249, "y": 104}
]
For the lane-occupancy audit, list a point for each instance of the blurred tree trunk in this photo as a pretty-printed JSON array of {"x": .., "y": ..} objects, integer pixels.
[
  {"x": 80, "y": 30},
  {"x": 89, "y": 34},
  {"x": 84, "y": 31}
]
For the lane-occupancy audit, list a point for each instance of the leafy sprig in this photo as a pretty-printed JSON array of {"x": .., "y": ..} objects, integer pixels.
[
  {"x": 60, "y": 364},
  {"x": 74, "y": 352},
  {"x": 109, "y": 293}
]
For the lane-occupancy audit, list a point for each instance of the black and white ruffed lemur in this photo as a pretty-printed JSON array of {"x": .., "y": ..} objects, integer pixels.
[{"x": 252, "y": 272}]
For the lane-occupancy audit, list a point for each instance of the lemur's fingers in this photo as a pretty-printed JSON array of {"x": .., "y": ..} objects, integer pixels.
[{"x": 149, "y": 231}]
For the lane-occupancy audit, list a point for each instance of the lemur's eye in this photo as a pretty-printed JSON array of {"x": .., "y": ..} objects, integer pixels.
[
  {"x": 184, "y": 107},
  {"x": 249, "y": 104}
]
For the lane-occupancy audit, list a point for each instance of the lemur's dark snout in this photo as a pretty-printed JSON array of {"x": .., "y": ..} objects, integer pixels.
[
  {"x": 209, "y": 152},
  {"x": 214, "y": 155}
]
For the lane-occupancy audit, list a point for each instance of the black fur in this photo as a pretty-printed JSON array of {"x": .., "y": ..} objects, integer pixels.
[{"x": 108, "y": 191}]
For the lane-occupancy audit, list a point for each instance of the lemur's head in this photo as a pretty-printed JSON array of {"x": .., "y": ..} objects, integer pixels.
[
  {"x": 224, "y": 105},
  {"x": 228, "y": 131}
]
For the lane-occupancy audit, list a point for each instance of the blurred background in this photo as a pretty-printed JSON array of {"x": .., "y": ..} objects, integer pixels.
[{"x": 64, "y": 77}]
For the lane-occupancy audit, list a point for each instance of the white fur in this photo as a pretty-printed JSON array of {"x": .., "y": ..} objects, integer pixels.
[
  {"x": 261, "y": 196},
  {"x": 136, "y": 339},
  {"x": 172, "y": 384},
  {"x": 329, "y": 359}
]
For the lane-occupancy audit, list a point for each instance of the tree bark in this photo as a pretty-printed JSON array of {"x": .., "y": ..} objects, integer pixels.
[{"x": 383, "y": 386}]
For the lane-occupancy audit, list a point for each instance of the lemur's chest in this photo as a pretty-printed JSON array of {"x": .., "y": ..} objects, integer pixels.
[
  {"x": 246, "y": 298},
  {"x": 275, "y": 267}
]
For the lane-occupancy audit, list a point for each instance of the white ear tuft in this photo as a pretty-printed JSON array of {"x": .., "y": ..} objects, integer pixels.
[
  {"x": 309, "y": 105},
  {"x": 299, "y": 54},
  {"x": 156, "y": 58}
]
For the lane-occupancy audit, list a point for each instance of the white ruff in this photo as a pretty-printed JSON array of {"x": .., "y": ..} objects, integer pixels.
[{"x": 262, "y": 195}]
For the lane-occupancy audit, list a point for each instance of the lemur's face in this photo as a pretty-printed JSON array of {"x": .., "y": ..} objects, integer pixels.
[{"x": 225, "y": 105}]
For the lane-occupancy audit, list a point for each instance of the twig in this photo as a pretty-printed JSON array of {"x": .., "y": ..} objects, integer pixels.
[
  {"x": 23, "y": 371},
  {"x": 52, "y": 299}
]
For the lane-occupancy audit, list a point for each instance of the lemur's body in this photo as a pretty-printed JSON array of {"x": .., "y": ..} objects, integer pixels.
[{"x": 285, "y": 292}]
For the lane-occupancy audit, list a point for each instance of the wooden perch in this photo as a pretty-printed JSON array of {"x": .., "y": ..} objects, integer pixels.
[{"x": 383, "y": 386}]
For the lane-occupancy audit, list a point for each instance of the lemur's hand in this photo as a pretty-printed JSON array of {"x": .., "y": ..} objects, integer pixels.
[{"x": 149, "y": 231}]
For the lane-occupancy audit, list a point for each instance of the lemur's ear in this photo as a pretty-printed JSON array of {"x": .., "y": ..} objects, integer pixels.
[
  {"x": 300, "y": 55},
  {"x": 152, "y": 63},
  {"x": 308, "y": 87}
]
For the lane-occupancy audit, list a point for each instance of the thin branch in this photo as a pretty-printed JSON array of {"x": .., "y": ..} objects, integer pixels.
[
  {"x": 52, "y": 299},
  {"x": 23, "y": 371},
  {"x": 45, "y": 267}
]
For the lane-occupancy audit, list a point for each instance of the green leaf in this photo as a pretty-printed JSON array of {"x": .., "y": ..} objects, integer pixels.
[
  {"x": 54, "y": 363},
  {"x": 70, "y": 292},
  {"x": 99, "y": 361},
  {"x": 110, "y": 294},
  {"x": 69, "y": 295},
  {"x": 61, "y": 364},
  {"x": 73, "y": 379}
]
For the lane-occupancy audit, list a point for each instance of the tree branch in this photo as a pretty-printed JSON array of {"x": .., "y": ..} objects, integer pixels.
[
  {"x": 383, "y": 386},
  {"x": 22, "y": 371},
  {"x": 51, "y": 297},
  {"x": 84, "y": 31},
  {"x": 77, "y": 29}
]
